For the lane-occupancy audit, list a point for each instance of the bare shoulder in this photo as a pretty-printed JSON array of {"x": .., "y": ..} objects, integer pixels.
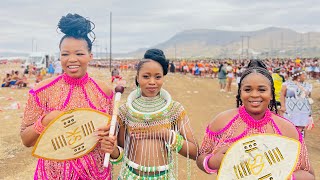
[
  {"x": 222, "y": 119},
  {"x": 106, "y": 88},
  {"x": 286, "y": 127},
  {"x": 43, "y": 83}
]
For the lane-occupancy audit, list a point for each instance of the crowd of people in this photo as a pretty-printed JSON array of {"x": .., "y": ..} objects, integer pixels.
[
  {"x": 31, "y": 75},
  {"x": 153, "y": 128},
  {"x": 15, "y": 79}
]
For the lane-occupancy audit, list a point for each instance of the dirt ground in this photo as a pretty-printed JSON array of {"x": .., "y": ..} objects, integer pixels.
[{"x": 200, "y": 97}]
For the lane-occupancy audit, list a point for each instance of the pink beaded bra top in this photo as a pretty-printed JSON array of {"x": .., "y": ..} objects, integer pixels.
[
  {"x": 226, "y": 136},
  {"x": 57, "y": 94},
  {"x": 252, "y": 127}
]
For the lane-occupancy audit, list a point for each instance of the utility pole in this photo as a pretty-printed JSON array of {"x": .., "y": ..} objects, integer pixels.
[
  {"x": 32, "y": 44},
  {"x": 301, "y": 45},
  {"x": 309, "y": 48},
  {"x": 36, "y": 46},
  {"x": 175, "y": 51},
  {"x": 110, "y": 40},
  {"x": 242, "y": 46},
  {"x": 248, "y": 40},
  {"x": 282, "y": 41},
  {"x": 106, "y": 53},
  {"x": 95, "y": 45},
  {"x": 271, "y": 46}
]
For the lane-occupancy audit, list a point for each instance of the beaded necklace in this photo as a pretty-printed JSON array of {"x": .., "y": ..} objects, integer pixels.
[
  {"x": 149, "y": 104},
  {"x": 138, "y": 106},
  {"x": 252, "y": 123},
  {"x": 64, "y": 93}
]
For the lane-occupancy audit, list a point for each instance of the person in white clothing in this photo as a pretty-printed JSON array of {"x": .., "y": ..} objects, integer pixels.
[{"x": 57, "y": 67}]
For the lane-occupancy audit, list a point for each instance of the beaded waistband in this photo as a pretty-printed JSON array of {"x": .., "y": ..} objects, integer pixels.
[{"x": 147, "y": 168}]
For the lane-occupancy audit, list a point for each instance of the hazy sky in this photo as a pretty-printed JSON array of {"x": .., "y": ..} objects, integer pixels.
[{"x": 144, "y": 23}]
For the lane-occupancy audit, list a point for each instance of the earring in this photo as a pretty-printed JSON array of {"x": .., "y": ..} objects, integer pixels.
[{"x": 138, "y": 91}]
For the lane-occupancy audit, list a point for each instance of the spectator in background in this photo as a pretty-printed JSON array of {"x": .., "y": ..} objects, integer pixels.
[
  {"x": 57, "y": 67},
  {"x": 295, "y": 105},
  {"x": 6, "y": 80},
  {"x": 172, "y": 67},
  {"x": 222, "y": 76},
  {"x": 229, "y": 76},
  {"x": 50, "y": 69},
  {"x": 278, "y": 79}
]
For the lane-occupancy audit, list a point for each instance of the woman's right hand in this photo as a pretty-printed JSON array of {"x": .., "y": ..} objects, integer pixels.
[
  {"x": 50, "y": 116},
  {"x": 216, "y": 160}
]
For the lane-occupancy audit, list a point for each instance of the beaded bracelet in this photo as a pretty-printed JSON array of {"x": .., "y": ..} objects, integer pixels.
[
  {"x": 177, "y": 146},
  {"x": 206, "y": 167},
  {"x": 38, "y": 126},
  {"x": 120, "y": 157}
]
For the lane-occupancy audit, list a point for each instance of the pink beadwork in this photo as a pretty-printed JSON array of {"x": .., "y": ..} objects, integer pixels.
[
  {"x": 226, "y": 136},
  {"x": 73, "y": 83},
  {"x": 38, "y": 127},
  {"x": 206, "y": 166},
  {"x": 252, "y": 123},
  {"x": 65, "y": 93}
]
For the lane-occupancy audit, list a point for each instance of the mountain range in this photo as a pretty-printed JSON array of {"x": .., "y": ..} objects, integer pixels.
[
  {"x": 272, "y": 41},
  {"x": 212, "y": 43}
]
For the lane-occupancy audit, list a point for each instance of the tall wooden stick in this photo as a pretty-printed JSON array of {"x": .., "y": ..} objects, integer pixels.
[{"x": 119, "y": 90}]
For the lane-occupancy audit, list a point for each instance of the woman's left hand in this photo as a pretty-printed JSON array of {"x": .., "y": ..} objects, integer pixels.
[{"x": 108, "y": 144}]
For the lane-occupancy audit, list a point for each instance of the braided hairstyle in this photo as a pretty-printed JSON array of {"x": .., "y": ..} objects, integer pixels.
[
  {"x": 257, "y": 66},
  {"x": 78, "y": 27}
]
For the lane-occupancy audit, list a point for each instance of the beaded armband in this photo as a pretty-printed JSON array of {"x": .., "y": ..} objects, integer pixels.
[
  {"x": 177, "y": 142},
  {"x": 205, "y": 165},
  {"x": 120, "y": 157},
  {"x": 38, "y": 127}
]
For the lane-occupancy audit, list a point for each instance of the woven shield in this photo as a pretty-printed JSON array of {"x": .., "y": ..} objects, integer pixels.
[
  {"x": 70, "y": 135},
  {"x": 260, "y": 157}
]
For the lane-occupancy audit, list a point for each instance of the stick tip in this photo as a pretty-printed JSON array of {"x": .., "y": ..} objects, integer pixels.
[{"x": 119, "y": 89}]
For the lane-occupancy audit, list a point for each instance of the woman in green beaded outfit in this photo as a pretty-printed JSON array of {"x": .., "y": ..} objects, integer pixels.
[{"x": 154, "y": 129}]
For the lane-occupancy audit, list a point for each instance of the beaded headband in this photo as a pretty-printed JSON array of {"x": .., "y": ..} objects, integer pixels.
[{"x": 297, "y": 74}]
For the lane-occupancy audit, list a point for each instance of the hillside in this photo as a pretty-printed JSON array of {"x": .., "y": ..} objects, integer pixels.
[{"x": 272, "y": 41}]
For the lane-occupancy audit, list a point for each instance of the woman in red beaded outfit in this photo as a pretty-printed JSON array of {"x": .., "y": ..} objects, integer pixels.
[
  {"x": 73, "y": 89},
  {"x": 256, "y": 101}
]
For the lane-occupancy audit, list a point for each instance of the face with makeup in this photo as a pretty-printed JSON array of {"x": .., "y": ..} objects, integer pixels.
[
  {"x": 75, "y": 56},
  {"x": 150, "y": 78},
  {"x": 256, "y": 94}
]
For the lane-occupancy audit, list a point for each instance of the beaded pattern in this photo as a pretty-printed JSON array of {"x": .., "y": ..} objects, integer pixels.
[
  {"x": 65, "y": 93},
  {"x": 226, "y": 136},
  {"x": 143, "y": 104},
  {"x": 166, "y": 115},
  {"x": 38, "y": 127}
]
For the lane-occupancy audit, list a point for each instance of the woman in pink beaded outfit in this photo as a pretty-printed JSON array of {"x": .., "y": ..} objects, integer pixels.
[
  {"x": 73, "y": 89},
  {"x": 256, "y": 101}
]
